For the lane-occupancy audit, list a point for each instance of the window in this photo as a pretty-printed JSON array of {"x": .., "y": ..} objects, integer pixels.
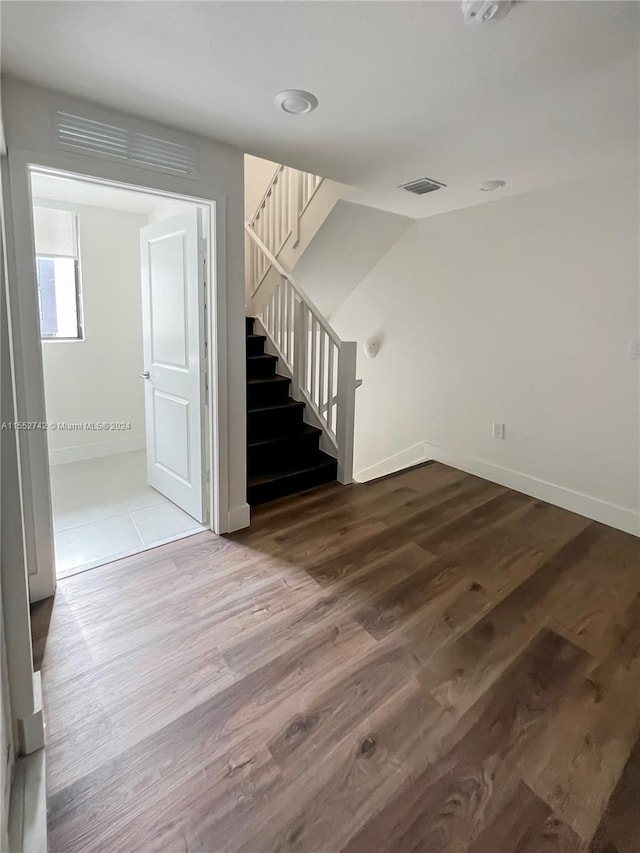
[{"x": 58, "y": 272}]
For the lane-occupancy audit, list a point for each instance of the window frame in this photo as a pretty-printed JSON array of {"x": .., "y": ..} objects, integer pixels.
[{"x": 81, "y": 336}]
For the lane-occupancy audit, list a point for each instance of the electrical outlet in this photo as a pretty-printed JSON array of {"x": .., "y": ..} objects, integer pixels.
[
  {"x": 497, "y": 430},
  {"x": 634, "y": 348}
]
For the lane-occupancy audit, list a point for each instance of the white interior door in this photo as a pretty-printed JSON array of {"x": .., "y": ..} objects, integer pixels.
[{"x": 174, "y": 364}]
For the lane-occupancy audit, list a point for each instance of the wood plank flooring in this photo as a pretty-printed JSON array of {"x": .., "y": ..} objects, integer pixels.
[{"x": 429, "y": 662}]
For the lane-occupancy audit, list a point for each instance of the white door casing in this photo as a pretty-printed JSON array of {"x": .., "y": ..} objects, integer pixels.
[{"x": 172, "y": 261}]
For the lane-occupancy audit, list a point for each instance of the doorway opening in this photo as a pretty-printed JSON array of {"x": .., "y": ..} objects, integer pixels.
[{"x": 122, "y": 284}]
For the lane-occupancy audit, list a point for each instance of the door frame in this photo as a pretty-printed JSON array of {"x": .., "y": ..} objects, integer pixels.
[{"x": 27, "y": 367}]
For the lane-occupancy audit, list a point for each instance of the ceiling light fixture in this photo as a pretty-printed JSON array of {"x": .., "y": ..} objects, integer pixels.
[
  {"x": 296, "y": 101},
  {"x": 490, "y": 186}
]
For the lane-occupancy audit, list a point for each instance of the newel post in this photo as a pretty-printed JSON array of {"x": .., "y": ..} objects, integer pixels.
[{"x": 345, "y": 421}]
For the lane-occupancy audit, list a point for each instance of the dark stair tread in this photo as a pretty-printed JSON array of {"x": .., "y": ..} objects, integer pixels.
[
  {"x": 285, "y": 404},
  {"x": 263, "y": 356},
  {"x": 254, "y": 337},
  {"x": 322, "y": 461},
  {"x": 306, "y": 429},
  {"x": 265, "y": 380}
]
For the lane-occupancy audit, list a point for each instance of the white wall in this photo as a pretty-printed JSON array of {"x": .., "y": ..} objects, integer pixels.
[
  {"x": 96, "y": 379},
  {"x": 350, "y": 241},
  {"x": 518, "y": 312},
  {"x": 28, "y": 114},
  {"x": 167, "y": 207}
]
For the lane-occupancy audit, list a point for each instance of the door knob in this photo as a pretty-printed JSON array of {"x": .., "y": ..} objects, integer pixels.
[{"x": 144, "y": 375}]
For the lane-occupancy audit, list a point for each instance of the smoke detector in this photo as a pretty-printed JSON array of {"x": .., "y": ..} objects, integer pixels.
[{"x": 481, "y": 11}]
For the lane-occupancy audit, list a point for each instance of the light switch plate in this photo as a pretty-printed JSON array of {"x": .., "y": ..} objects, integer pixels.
[{"x": 634, "y": 348}]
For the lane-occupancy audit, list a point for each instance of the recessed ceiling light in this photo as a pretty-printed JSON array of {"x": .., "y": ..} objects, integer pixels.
[
  {"x": 490, "y": 186},
  {"x": 296, "y": 101}
]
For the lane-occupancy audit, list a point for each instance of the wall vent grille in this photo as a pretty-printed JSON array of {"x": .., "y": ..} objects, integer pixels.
[
  {"x": 421, "y": 186},
  {"x": 117, "y": 143}
]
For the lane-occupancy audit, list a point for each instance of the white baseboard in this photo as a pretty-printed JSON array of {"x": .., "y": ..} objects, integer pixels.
[
  {"x": 613, "y": 515},
  {"x": 92, "y": 451},
  {"x": 622, "y": 518},
  {"x": 28, "y": 805},
  {"x": 404, "y": 459},
  {"x": 238, "y": 518}
]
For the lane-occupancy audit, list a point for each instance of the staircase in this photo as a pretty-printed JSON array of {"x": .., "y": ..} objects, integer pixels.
[
  {"x": 301, "y": 392},
  {"x": 283, "y": 452}
]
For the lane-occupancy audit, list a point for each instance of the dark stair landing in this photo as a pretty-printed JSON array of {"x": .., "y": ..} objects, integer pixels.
[{"x": 283, "y": 452}]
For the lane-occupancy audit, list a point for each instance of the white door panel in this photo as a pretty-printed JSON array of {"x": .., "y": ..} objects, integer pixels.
[
  {"x": 172, "y": 303},
  {"x": 171, "y": 422}
]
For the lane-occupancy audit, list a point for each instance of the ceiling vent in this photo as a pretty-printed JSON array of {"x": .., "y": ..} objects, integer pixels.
[
  {"x": 421, "y": 186},
  {"x": 117, "y": 143}
]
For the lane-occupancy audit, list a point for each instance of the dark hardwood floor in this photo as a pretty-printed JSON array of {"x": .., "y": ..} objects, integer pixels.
[{"x": 430, "y": 663}]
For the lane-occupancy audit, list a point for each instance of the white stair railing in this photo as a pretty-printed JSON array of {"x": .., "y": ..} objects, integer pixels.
[
  {"x": 322, "y": 367},
  {"x": 278, "y": 217},
  {"x": 308, "y": 184}
]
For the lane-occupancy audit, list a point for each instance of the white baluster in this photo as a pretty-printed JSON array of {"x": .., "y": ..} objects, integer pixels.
[
  {"x": 272, "y": 222},
  {"x": 260, "y": 222},
  {"x": 321, "y": 377},
  {"x": 281, "y": 291},
  {"x": 282, "y": 206},
  {"x": 278, "y": 244},
  {"x": 276, "y": 315},
  {"x": 296, "y": 189},
  {"x": 292, "y": 297},
  {"x": 286, "y": 203},
  {"x": 265, "y": 222},
  {"x": 331, "y": 388},
  {"x": 314, "y": 359},
  {"x": 288, "y": 327},
  {"x": 300, "y": 346}
]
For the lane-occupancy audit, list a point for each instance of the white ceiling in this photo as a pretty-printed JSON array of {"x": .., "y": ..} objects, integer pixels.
[
  {"x": 406, "y": 90},
  {"x": 53, "y": 188}
]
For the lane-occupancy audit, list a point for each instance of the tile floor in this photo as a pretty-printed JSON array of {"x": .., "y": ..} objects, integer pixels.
[{"x": 103, "y": 509}]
